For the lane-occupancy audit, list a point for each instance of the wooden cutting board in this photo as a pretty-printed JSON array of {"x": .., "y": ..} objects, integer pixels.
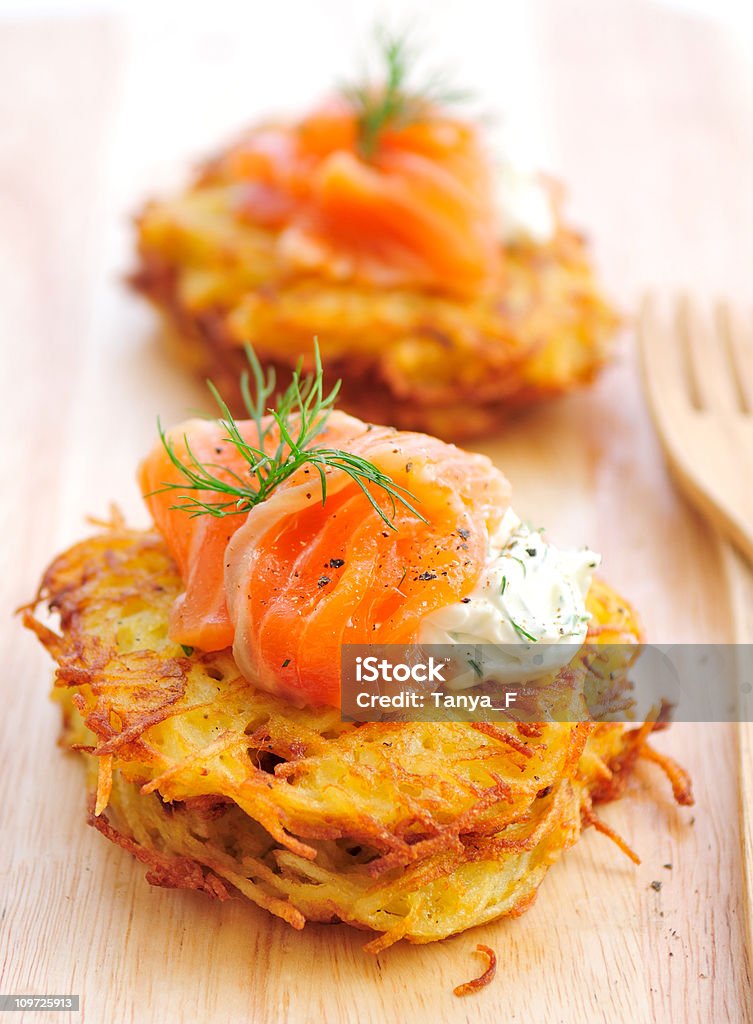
[{"x": 646, "y": 115}]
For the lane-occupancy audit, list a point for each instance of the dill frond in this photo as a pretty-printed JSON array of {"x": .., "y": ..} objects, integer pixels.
[
  {"x": 300, "y": 415},
  {"x": 394, "y": 102}
]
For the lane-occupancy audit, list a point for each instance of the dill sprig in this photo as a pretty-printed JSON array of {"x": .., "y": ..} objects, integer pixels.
[
  {"x": 476, "y": 667},
  {"x": 523, "y": 632},
  {"x": 300, "y": 415},
  {"x": 394, "y": 102}
]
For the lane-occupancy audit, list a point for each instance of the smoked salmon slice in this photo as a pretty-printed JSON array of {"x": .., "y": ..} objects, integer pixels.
[
  {"x": 419, "y": 211},
  {"x": 197, "y": 543},
  {"x": 290, "y": 581}
]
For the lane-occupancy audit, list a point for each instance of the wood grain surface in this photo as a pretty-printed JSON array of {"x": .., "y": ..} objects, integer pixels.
[{"x": 647, "y": 115}]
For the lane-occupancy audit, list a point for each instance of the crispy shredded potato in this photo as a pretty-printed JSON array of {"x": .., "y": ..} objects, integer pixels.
[
  {"x": 476, "y": 984},
  {"x": 413, "y": 831},
  {"x": 417, "y": 359}
]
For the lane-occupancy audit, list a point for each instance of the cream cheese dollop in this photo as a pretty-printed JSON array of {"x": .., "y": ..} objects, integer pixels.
[
  {"x": 529, "y": 593},
  {"x": 524, "y": 205}
]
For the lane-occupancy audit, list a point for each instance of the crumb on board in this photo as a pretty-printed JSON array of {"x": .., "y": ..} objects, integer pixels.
[{"x": 483, "y": 979}]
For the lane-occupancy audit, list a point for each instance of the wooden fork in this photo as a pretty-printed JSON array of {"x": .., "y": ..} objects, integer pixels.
[{"x": 698, "y": 377}]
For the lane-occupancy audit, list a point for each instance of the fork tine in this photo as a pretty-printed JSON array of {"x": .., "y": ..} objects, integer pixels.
[
  {"x": 664, "y": 375},
  {"x": 709, "y": 453},
  {"x": 738, "y": 336},
  {"x": 708, "y": 359}
]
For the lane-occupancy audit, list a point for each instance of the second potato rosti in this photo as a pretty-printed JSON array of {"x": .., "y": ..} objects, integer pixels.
[{"x": 446, "y": 293}]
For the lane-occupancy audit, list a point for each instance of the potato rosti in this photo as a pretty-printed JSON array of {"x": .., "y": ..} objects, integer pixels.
[
  {"x": 413, "y": 830},
  {"x": 402, "y": 249},
  {"x": 232, "y": 769}
]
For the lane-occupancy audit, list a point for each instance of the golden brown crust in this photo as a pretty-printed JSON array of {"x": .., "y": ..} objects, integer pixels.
[
  {"x": 167, "y": 872},
  {"x": 420, "y": 360},
  {"x": 413, "y": 830}
]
